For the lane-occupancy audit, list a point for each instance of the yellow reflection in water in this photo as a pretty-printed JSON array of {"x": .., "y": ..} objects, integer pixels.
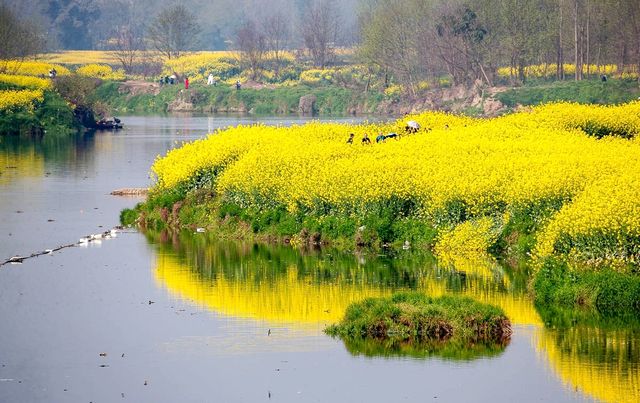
[
  {"x": 601, "y": 363},
  {"x": 309, "y": 292},
  {"x": 293, "y": 298},
  {"x": 486, "y": 282},
  {"x": 287, "y": 298},
  {"x": 25, "y": 165}
]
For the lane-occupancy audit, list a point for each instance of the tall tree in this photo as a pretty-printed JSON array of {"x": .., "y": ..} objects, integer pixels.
[
  {"x": 461, "y": 34},
  {"x": 173, "y": 31},
  {"x": 276, "y": 30},
  {"x": 634, "y": 21},
  {"x": 320, "y": 31},
  {"x": 127, "y": 45},
  {"x": 252, "y": 46},
  {"x": 19, "y": 38}
]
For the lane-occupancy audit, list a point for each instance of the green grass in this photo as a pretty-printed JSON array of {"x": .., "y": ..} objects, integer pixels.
[
  {"x": 282, "y": 100},
  {"x": 607, "y": 291},
  {"x": 52, "y": 116},
  {"x": 415, "y": 317},
  {"x": 585, "y": 92},
  {"x": 385, "y": 223},
  {"x": 448, "y": 350}
]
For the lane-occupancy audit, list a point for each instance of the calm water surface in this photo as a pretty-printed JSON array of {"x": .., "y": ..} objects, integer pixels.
[{"x": 185, "y": 318}]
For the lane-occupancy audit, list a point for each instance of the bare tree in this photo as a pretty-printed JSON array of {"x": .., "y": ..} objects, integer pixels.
[
  {"x": 633, "y": 14},
  {"x": 127, "y": 47},
  {"x": 19, "y": 39},
  {"x": 252, "y": 46},
  {"x": 320, "y": 31},
  {"x": 459, "y": 37},
  {"x": 174, "y": 30},
  {"x": 276, "y": 33}
]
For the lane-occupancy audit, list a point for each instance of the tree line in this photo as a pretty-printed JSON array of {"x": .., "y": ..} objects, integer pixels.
[
  {"x": 91, "y": 24},
  {"x": 417, "y": 40},
  {"x": 407, "y": 41}
]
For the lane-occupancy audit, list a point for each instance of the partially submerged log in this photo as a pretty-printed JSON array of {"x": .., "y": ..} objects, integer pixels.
[{"x": 130, "y": 192}]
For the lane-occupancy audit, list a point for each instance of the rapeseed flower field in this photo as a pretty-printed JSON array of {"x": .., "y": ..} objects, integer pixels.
[
  {"x": 25, "y": 81},
  {"x": 11, "y": 100},
  {"x": 101, "y": 71},
  {"x": 550, "y": 70},
  {"x": 32, "y": 68},
  {"x": 456, "y": 170}
]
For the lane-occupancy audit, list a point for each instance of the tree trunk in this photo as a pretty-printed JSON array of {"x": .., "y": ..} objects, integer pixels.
[
  {"x": 576, "y": 42},
  {"x": 521, "y": 67},
  {"x": 623, "y": 57},
  {"x": 638, "y": 55},
  {"x": 587, "y": 41},
  {"x": 560, "y": 53}
]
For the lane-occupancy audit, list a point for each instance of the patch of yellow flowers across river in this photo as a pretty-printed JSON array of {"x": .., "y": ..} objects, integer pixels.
[{"x": 490, "y": 166}]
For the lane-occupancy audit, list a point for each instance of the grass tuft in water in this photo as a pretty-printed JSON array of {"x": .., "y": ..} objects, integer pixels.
[{"x": 415, "y": 317}]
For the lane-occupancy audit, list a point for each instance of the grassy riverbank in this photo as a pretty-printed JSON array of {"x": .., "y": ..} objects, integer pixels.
[
  {"x": 34, "y": 100},
  {"x": 335, "y": 100},
  {"x": 47, "y": 113},
  {"x": 267, "y": 101},
  {"x": 31, "y": 105},
  {"x": 536, "y": 92}
]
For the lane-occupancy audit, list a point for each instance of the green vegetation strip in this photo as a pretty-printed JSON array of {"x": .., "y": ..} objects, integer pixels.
[
  {"x": 610, "y": 292},
  {"x": 330, "y": 100},
  {"x": 584, "y": 92},
  {"x": 418, "y": 317}
]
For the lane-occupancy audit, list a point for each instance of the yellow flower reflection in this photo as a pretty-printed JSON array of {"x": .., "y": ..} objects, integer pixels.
[
  {"x": 283, "y": 287},
  {"x": 604, "y": 364}
]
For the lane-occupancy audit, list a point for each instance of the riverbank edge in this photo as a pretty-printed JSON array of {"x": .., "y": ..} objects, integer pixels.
[
  {"x": 148, "y": 97},
  {"x": 554, "y": 284},
  {"x": 300, "y": 99},
  {"x": 52, "y": 116}
]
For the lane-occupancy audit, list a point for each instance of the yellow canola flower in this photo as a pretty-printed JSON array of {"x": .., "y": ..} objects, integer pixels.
[
  {"x": 471, "y": 238},
  {"x": 32, "y": 68},
  {"x": 102, "y": 71},
  {"x": 488, "y": 166},
  {"x": 550, "y": 70},
  {"x": 80, "y": 57},
  {"x": 22, "y": 99},
  {"x": 26, "y": 81}
]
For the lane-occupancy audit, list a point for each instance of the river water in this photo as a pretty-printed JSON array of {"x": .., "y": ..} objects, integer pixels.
[{"x": 165, "y": 317}]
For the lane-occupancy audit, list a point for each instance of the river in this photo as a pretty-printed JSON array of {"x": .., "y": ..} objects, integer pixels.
[{"x": 164, "y": 317}]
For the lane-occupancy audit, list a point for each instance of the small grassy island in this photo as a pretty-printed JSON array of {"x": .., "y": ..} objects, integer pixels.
[
  {"x": 553, "y": 187},
  {"x": 410, "y": 323}
]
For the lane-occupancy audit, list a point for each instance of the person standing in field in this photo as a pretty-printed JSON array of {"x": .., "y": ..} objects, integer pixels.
[
  {"x": 186, "y": 83},
  {"x": 350, "y": 140},
  {"x": 366, "y": 140},
  {"x": 210, "y": 79}
]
